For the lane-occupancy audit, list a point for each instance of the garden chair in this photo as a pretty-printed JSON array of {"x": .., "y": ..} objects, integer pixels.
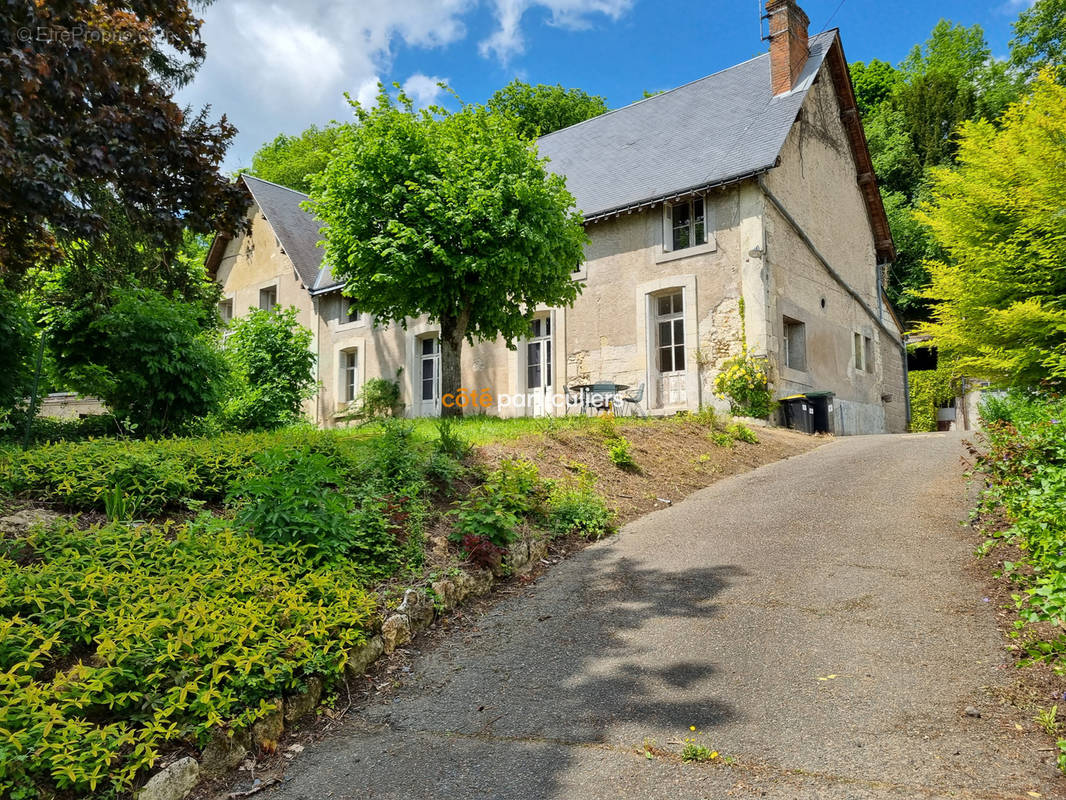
[{"x": 633, "y": 401}]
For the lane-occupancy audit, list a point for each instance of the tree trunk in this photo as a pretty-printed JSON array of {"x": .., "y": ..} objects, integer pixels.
[{"x": 452, "y": 331}]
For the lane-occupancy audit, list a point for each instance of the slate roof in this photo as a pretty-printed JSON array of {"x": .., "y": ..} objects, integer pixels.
[
  {"x": 721, "y": 128},
  {"x": 297, "y": 230},
  {"x": 713, "y": 131}
]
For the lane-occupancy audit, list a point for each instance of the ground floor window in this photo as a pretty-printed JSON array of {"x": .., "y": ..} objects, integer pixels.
[
  {"x": 670, "y": 327},
  {"x": 539, "y": 354},
  {"x": 795, "y": 341},
  {"x": 429, "y": 350},
  {"x": 349, "y": 375}
]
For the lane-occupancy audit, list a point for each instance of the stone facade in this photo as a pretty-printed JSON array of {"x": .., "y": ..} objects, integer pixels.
[{"x": 794, "y": 247}]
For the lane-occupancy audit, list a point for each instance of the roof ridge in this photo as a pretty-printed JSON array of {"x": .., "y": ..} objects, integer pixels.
[
  {"x": 671, "y": 91},
  {"x": 655, "y": 96},
  {"x": 271, "y": 183}
]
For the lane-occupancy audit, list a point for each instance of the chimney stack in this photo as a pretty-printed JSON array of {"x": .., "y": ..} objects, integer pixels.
[{"x": 788, "y": 43}]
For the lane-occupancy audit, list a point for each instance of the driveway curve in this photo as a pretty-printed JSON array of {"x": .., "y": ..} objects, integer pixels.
[{"x": 813, "y": 619}]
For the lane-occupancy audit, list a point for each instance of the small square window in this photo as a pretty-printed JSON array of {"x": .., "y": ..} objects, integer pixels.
[
  {"x": 795, "y": 341},
  {"x": 349, "y": 313},
  {"x": 688, "y": 225},
  {"x": 268, "y": 298}
]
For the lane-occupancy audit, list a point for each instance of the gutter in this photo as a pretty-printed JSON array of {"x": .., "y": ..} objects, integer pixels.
[{"x": 654, "y": 201}]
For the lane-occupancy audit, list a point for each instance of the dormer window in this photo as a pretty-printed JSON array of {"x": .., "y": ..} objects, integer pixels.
[{"x": 686, "y": 224}]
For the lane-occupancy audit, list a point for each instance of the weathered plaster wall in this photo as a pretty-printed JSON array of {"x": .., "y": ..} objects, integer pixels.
[{"x": 816, "y": 182}]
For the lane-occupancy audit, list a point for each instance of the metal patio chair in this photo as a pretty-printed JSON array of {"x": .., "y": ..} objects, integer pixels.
[{"x": 633, "y": 401}]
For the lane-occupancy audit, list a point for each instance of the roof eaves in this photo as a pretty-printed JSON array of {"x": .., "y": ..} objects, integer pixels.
[{"x": 639, "y": 205}]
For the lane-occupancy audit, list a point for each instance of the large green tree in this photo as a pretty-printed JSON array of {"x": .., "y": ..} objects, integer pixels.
[
  {"x": 911, "y": 114},
  {"x": 86, "y": 102},
  {"x": 1040, "y": 39},
  {"x": 293, "y": 160},
  {"x": 999, "y": 294},
  {"x": 543, "y": 109},
  {"x": 449, "y": 215}
]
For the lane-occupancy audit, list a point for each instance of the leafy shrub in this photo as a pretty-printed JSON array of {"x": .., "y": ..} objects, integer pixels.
[
  {"x": 154, "y": 474},
  {"x": 744, "y": 383},
  {"x": 273, "y": 369},
  {"x": 292, "y": 497},
  {"x": 44, "y": 430},
  {"x": 618, "y": 452},
  {"x": 1025, "y": 471},
  {"x": 481, "y": 552},
  {"x": 494, "y": 510},
  {"x": 18, "y": 333},
  {"x": 720, "y": 438},
  {"x": 449, "y": 441},
  {"x": 578, "y": 508},
  {"x": 707, "y": 415},
  {"x": 117, "y": 640},
  {"x": 742, "y": 433},
  {"x": 378, "y": 399},
  {"x": 149, "y": 359}
]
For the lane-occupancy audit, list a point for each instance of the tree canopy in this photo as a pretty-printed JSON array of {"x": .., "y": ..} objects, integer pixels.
[
  {"x": 293, "y": 160},
  {"x": 448, "y": 215},
  {"x": 86, "y": 102},
  {"x": 998, "y": 291},
  {"x": 543, "y": 109},
  {"x": 1040, "y": 39},
  {"x": 911, "y": 114}
]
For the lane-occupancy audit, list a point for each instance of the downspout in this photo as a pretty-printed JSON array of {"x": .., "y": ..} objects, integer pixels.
[
  {"x": 318, "y": 360},
  {"x": 843, "y": 285}
]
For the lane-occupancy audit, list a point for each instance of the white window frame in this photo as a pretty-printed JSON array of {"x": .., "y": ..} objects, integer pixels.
[
  {"x": 349, "y": 374},
  {"x": 272, "y": 289},
  {"x": 709, "y": 243},
  {"x": 226, "y": 305},
  {"x": 675, "y": 319}
]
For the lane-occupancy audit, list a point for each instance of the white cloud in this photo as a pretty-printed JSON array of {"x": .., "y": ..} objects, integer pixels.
[
  {"x": 574, "y": 14},
  {"x": 367, "y": 92},
  {"x": 277, "y": 67},
  {"x": 423, "y": 89}
]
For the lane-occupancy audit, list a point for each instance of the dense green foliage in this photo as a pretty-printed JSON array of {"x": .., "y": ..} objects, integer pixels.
[
  {"x": 18, "y": 333},
  {"x": 150, "y": 360},
  {"x": 155, "y": 475},
  {"x": 46, "y": 430},
  {"x": 577, "y": 508},
  {"x": 1040, "y": 39},
  {"x": 930, "y": 390},
  {"x": 293, "y": 160},
  {"x": 543, "y": 109},
  {"x": 86, "y": 115},
  {"x": 910, "y": 114},
  {"x": 117, "y": 640},
  {"x": 450, "y": 215},
  {"x": 998, "y": 292},
  {"x": 493, "y": 510},
  {"x": 273, "y": 369},
  {"x": 1025, "y": 471}
]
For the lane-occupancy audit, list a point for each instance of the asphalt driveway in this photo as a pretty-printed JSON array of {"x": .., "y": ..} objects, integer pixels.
[{"x": 812, "y": 618}]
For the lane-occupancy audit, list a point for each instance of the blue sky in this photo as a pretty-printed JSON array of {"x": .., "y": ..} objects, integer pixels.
[{"x": 277, "y": 67}]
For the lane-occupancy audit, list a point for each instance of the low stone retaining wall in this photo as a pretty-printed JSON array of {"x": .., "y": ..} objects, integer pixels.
[{"x": 415, "y": 612}]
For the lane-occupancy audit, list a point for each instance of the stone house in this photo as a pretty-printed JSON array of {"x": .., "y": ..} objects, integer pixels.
[{"x": 739, "y": 208}]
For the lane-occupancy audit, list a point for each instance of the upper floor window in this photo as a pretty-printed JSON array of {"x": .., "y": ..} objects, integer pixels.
[
  {"x": 349, "y": 313},
  {"x": 268, "y": 298},
  {"x": 225, "y": 311},
  {"x": 687, "y": 224}
]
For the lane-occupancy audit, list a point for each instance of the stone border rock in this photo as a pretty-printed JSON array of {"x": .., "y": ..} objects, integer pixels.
[{"x": 416, "y": 612}]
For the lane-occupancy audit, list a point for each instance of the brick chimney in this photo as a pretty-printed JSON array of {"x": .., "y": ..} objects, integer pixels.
[{"x": 788, "y": 43}]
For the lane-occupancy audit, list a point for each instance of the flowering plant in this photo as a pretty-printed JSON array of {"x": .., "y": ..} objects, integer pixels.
[{"x": 744, "y": 383}]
